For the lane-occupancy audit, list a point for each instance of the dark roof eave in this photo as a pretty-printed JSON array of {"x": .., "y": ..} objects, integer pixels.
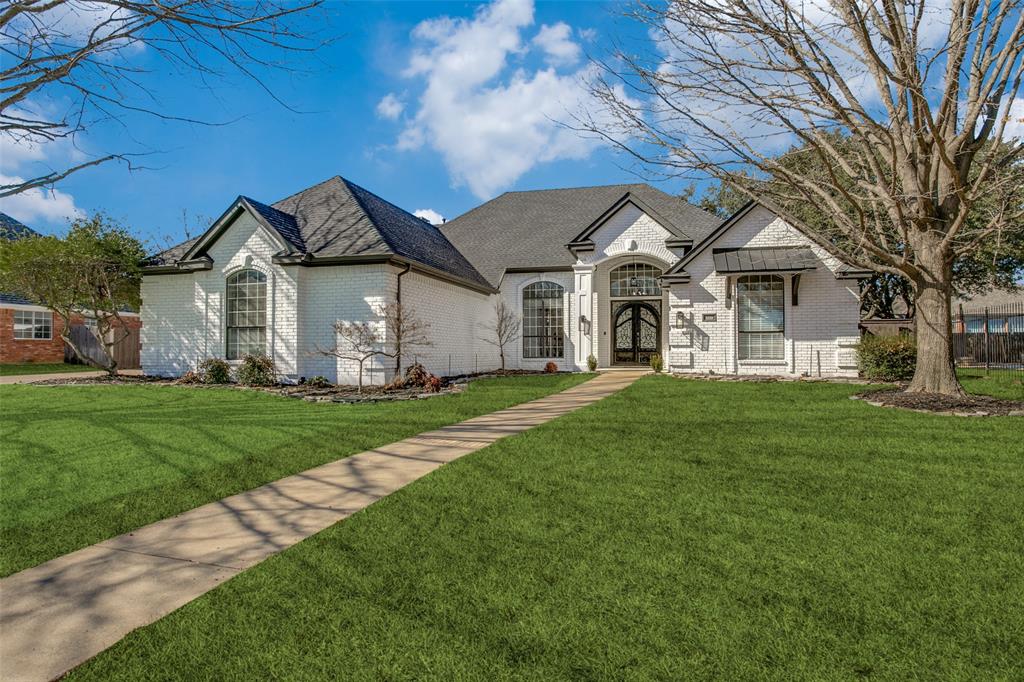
[
  {"x": 444, "y": 276},
  {"x": 181, "y": 267},
  {"x": 855, "y": 274},
  {"x": 326, "y": 261},
  {"x": 764, "y": 270}
]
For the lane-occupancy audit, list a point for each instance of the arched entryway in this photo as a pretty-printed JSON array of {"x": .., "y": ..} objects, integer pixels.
[{"x": 636, "y": 332}]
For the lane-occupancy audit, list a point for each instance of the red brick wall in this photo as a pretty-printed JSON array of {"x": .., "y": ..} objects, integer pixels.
[
  {"x": 28, "y": 350},
  {"x": 38, "y": 350}
]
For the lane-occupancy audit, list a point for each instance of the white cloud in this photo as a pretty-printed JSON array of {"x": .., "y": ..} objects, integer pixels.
[
  {"x": 490, "y": 123},
  {"x": 1015, "y": 126},
  {"x": 390, "y": 107},
  {"x": 49, "y": 205},
  {"x": 557, "y": 44},
  {"x": 21, "y": 158},
  {"x": 430, "y": 215}
]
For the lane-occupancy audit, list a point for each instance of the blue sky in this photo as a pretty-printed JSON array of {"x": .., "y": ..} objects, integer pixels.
[{"x": 435, "y": 106}]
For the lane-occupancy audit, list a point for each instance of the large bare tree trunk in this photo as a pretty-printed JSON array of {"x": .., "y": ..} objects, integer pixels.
[{"x": 935, "y": 372}]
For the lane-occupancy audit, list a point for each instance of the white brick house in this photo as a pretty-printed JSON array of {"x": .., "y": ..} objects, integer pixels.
[{"x": 618, "y": 272}]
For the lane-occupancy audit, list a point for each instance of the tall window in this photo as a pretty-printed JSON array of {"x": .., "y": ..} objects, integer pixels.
[
  {"x": 33, "y": 324},
  {"x": 635, "y": 279},
  {"x": 543, "y": 327},
  {"x": 761, "y": 305},
  {"x": 247, "y": 314}
]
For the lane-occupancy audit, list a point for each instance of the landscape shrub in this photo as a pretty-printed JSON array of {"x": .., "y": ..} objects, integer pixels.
[
  {"x": 591, "y": 363},
  {"x": 551, "y": 368},
  {"x": 318, "y": 382},
  {"x": 656, "y": 362},
  {"x": 887, "y": 358},
  {"x": 434, "y": 384},
  {"x": 215, "y": 371},
  {"x": 257, "y": 370},
  {"x": 190, "y": 377}
]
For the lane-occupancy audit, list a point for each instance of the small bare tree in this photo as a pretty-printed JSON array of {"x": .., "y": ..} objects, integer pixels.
[
  {"x": 358, "y": 342},
  {"x": 906, "y": 109},
  {"x": 405, "y": 331},
  {"x": 71, "y": 65},
  {"x": 355, "y": 341},
  {"x": 504, "y": 329}
]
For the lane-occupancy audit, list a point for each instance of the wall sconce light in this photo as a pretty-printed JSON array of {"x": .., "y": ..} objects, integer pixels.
[
  {"x": 584, "y": 325},
  {"x": 680, "y": 320}
]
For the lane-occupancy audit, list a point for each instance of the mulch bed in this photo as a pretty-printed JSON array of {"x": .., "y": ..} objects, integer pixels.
[
  {"x": 335, "y": 394},
  {"x": 935, "y": 403}
]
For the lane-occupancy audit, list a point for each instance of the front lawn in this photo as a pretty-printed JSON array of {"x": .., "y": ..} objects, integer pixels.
[
  {"x": 677, "y": 530},
  {"x": 22, "y": 368},
  {"x": 84, "y": 463},
  {"x": 1000, "y": 383}
]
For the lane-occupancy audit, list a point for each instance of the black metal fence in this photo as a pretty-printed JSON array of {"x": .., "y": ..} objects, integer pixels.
[{"x": 989, "y": 339}]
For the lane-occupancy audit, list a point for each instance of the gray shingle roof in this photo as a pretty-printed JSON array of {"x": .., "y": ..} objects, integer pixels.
[
  {"x": 337, "y": 218},
  {"x": 771, "y": 259},
  {"x": 173, "y": 254},
  {"x": 11, "y": 229},
  {"x": 530, "y": 229},
  {"x": 285, "y": 224}
]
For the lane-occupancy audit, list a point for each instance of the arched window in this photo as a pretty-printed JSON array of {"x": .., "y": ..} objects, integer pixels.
[
  {"x": 246, "y": 314},
  {"x": 761, "y": 305},
  {"x": 635, "y": 279},
  {"x": 543, "y": 324}
]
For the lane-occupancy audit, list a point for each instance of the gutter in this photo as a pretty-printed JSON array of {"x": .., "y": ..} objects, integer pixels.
[{"x": 398, "y": 302}]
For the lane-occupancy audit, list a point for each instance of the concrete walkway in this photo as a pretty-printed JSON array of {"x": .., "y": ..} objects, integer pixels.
[
  {"x": 29, "y": 378},
  {"x": 61, "y": 613}
]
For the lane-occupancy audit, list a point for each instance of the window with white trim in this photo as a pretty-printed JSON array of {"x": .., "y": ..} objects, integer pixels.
[
  {"x": 543, "y": 321},
  {"x": 635, "y": 279},
  {"x": 246, "y": 314},
  {"x": 33, "y": 324},
  {"x": 760, "y": 303}
]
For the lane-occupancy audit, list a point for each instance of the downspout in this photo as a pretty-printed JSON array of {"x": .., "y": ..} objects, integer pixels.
[{"x": 398, "y": 301}]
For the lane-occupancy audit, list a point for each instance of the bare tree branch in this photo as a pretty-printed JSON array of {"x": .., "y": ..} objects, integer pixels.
[{"x": 85, "y": 55}]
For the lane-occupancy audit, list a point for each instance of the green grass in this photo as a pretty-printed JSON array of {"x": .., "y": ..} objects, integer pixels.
[
  {"x": 84, "y": 463},
  {"x": 998, "y": 383},
  {"x": 677, "y": 530},
  {"x": 18, "y": 369}
]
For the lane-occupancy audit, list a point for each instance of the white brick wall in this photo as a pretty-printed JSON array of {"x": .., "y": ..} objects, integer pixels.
[
  {"x": 350, "y": 293},
  {"x": 185, "y": 312},
  {"x": 457, "y": 317},
  {"x": 182, "y": 314},
  {"x": 512, "y": 291},
  {"x": 630, "y": 227},
  {"x": 819, "y": 331}
]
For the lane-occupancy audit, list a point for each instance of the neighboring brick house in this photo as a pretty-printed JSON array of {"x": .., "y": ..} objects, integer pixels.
[
  {"x": 619, "y": 272},
  {"x": 30, "y": 332}
]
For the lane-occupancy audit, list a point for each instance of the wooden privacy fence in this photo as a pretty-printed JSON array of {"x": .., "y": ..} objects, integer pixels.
[
  {"x": 126, "y": 351},
  {"x": 990, "y": 338}
]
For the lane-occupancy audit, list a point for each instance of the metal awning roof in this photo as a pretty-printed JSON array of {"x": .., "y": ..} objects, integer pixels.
[{"x": 774, "y": 259}]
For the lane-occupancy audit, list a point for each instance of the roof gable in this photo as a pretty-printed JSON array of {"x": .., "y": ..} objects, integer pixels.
[
  {"x": 200, "y": 246},
  {"x": 334, "y": 222},
  {"x": 520, "y": 231},
  {"x": 629, "y": 198},
  {"x": 678, "y": 271}
]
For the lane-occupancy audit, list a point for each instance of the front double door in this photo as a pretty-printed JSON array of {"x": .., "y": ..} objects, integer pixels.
[{"x": 637, "y": 331}]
